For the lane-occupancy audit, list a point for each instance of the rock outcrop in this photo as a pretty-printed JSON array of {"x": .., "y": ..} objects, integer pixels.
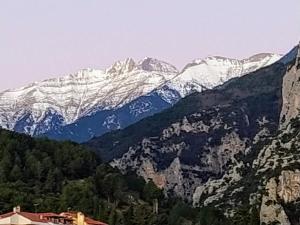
[
  {"x": 271, "y": 211},
  {"x": 279, "y": 191},
  {"x": 234, "y": 147},
  {"x": 289, "y": 186},
  {"x": 291, "y": 93},
  {"x": 201, "y": 137}
]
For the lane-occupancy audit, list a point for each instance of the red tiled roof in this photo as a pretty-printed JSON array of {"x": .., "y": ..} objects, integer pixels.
[
  {"x": 6, "y": 215},
  {"x": 50, "y": 214},
  {"x": 39, "y": 217},
  {"x": 33, "y": 217},
  {"x": 73, "y": 214}
]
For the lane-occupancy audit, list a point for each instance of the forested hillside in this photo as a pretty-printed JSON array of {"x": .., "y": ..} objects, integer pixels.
[{"x": 43, "y": 175}]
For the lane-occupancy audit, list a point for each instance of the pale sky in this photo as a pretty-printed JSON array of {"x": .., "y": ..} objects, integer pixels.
[{"x": 42, "y": 39}]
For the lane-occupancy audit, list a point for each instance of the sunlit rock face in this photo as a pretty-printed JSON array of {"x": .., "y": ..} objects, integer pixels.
[
  {"x": 201, "y": 137},
  {"x": 231, "y": 147},
  {"x": 289, "y": 186},
  {"x": 285, "y": 188},
  {"x": 291, "y": 92},
  {"x": 271, "y": 211}
]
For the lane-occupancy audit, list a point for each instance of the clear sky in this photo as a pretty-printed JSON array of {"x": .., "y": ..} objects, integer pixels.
[{"x": 48, "y": 38}]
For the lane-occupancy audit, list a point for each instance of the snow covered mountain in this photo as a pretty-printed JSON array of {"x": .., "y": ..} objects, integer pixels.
[
  {"x": 81, "y": 94},
  {"x": 92, "y": 102},
  {"x": 215, "y": 70}
]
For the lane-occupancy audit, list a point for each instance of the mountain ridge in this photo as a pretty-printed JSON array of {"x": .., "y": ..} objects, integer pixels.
[{"x": 48, "y": 106}]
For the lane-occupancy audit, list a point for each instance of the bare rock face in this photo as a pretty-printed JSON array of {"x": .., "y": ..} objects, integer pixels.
[
  {"x": 200, "y": 139},
  {"x": 291, "y": 93},
  {"x": 195, "y": 150},
  {"x": 120, "y": 67},
  {"x": 289, "y": 186},
  {"x": 271, "y": 211},
  {"x": 224, "y": 148},
  {"x": 149, "y": 173},
  {"x": 287, "y": 189}
]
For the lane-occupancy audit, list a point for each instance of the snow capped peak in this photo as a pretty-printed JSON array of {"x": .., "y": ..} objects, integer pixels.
[
  {"x": 214, "y": 70},
  {"x": 261, "y": 56},
  {"x": 211, "y": 59},
  {"x": 89, "y": 90},
  {"x": 147, "y": 64},
  {"x": 80, "y": 94},
  {"x": 121, "y": 67},
  {"x": 151, "y": 64},
  {"x": 255, "y": 58}
]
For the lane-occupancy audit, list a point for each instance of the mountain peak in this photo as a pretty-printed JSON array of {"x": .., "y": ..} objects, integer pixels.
[
  {"x": 124, "y": 66},
  {"x": 58, "y": 102},
  {"x": 262, "y": 56},
  {"x": 151, "y": 64}
]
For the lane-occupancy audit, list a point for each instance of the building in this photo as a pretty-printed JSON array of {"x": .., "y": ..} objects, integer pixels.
[
  {"x": 80, "y": 219},
  {"x": 17, "y": 217}
]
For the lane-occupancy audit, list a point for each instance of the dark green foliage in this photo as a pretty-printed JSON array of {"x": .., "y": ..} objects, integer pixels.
[
  {"x": 180, "y": 211},
  {"x": 293, "y": 211},
  {"x": 36, "y": 171},
  {"x": 211, "y": 216},
  {"x": 151, "y": 192},
  {"x": 43, "y": 175},
  {"x": 246, "y": 215}
]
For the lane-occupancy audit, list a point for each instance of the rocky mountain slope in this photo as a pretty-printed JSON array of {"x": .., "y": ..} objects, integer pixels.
[
  {"x": 235, "y": 146},
  {"x": 92, "y": 102}
]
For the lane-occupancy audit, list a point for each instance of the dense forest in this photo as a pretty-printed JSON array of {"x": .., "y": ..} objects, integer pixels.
[{"x": 43, "y": 175}]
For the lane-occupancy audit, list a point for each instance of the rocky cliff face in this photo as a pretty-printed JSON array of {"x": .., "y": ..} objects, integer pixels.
[
  {"x": 271, "y": 211},
  {"x": 279, "y": 192},
  {"x": 291, "y": 92},
  {"x": 267, "y": 177},
  {"x": 233, "y": 147},
  {"x": 200, "y": 137},
  {"x": 289, "y": 186}
]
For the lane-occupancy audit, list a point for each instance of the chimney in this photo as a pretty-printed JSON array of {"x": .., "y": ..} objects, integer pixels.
[
  {"x": 80, "y": 218},
  {"x": 17, "y": 209}
]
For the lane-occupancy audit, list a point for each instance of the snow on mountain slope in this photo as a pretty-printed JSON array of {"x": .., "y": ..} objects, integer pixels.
[
  {"x": 81, "y": 94},
  {"x": 47, "y": 106},
  {"x": 213, "y": 71}
]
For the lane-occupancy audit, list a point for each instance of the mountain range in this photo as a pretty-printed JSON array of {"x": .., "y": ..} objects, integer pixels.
[
  {"x": 220, "y": 134},
  {"x": 92, "y": 102}
]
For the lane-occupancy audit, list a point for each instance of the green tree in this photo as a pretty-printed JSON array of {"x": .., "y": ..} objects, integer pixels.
[
  {"x": 151, "y": 192},
  {"x": 79, "y": 195}
]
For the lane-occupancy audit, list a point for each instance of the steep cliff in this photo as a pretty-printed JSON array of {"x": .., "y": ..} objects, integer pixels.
[{"x": 227, "y": 147}]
